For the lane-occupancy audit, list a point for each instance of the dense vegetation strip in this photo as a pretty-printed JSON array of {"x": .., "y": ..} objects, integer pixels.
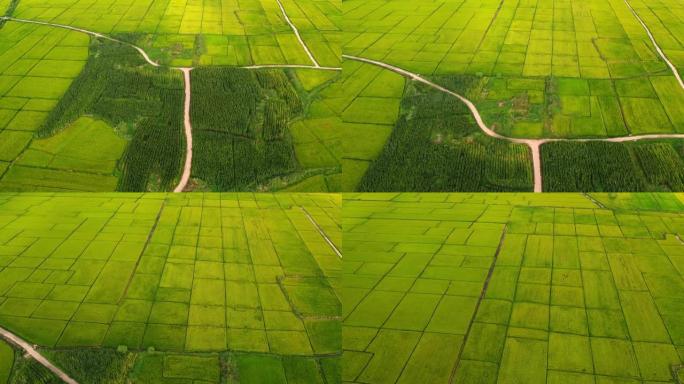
[
  {"x": 145, "y": 104},
  {"x": 436, "y": 146},
  {"x": 613, "y": 167},
  {"x": 240, "y": 123}
]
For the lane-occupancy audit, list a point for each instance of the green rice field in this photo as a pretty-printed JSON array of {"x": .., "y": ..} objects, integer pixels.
[
  {"x": 556, "y": 69},
  {"x": 513, "y": 288},
  {"x": 109, "y": 121},
  {"x": 215, "y": 32},
  {"x": 204, "y": 287},
  {"x": 534, "y": 70}
]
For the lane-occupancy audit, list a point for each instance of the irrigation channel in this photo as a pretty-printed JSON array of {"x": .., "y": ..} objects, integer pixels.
[{"x": 187, "y": 122}]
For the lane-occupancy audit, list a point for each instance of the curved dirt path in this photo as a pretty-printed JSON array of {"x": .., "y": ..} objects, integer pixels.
[
  {"x": 31, "y": 351},
  {"x": 296, "y": 32},
  {"x": 96, "y": 34},
  {"x": 655, "y": 44},
  {"x": 533, "y": 144},
  {"x": 187, "y": 168}
]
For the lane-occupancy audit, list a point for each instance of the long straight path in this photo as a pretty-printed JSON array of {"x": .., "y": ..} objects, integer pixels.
[
  {"x": 299, "y": 37},
  {"x": 667, "y": 61},
  {"x": 187, "y": 126}
]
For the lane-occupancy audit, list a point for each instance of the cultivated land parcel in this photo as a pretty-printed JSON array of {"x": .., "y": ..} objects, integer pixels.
[
  {"x": 91, "y": 98},
  {"x": 513, "y": 288},
  {"x": 538, "y": 70},
  {"x": 204, "y": 287}
]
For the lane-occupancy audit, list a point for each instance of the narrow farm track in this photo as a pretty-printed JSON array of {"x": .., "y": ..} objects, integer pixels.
[
  {"x": 296, "y": 32},
  {"x": 187, "y": 167},
  {"x": 31, "y": 351},
  {"x": 294, "y": 66},
  {"x": 96, "y": 34},
  {"x": 533, "y": 144},
  {"x": 675, "y": 72},
  {"x": 322, "y": 233}
]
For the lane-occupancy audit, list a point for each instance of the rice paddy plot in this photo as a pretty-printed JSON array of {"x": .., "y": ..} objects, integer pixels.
[
  {"x": 217, "y": 32},
  {"x": 664, "y": 19},
  {"x": 366, "y": 102},
  {"x": 319, "y": 23},
  {"x": 185, "y": 274},
  {"x": 27, "y": 90},
  {"x": 563, "y": 69},
  {"x": 512, "y": 288}
]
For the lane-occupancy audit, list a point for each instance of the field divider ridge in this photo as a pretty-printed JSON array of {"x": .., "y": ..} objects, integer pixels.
[
  {"x": 490, "y": 273},
  {"x": 296, "y": 32},
  {"x": 31, "y": 351},
  {"x": 322, "y": 233},
  {"x": 142, "y": 251},
  {"x": 675, "y": 72}
]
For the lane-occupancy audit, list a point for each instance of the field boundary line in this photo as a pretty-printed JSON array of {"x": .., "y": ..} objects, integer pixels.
[
  {"x": 490, "y": 273},
  {"x": 593, "y": 200},
  {"x": 322, "y": 233},
  {"x": 675, "y": 72},
  {"x": 533, "y": 144},
  {"x": 296, "y": 32},
  {"x": 31, "y": 351},
  {"x": 142, "y": 252},
  {"x": 294, "y": 66}
]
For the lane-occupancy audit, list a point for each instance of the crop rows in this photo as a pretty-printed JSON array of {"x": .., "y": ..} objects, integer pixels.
[
  {"x": 573, "y": 293},
  {"x": 216, "y": 32},
  {"x": 612, "y": 167},
  {"x": 240, "y": 121}
]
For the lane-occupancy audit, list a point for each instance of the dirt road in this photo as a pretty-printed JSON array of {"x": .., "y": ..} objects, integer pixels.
[{"x": 31, "y": 351}]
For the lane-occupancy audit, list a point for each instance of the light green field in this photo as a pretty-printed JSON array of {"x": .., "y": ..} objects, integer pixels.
[
  {"x": 187, "y": 274},
  {"x": 318, "y": 137},
  {"x": 33, "y": 77},
  {"x": 558, "y": 69},
  {"x": 85, "y": 150},
  {"x": 216, "y": 32},
  {"x": 513, "y": 288},
  {"x": 366, "y": 101}
]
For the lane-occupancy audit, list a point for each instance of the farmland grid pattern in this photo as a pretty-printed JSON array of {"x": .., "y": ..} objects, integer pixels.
[
  {"x": 577, "y": 293},
  {"x": 103, "y": 277}
]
